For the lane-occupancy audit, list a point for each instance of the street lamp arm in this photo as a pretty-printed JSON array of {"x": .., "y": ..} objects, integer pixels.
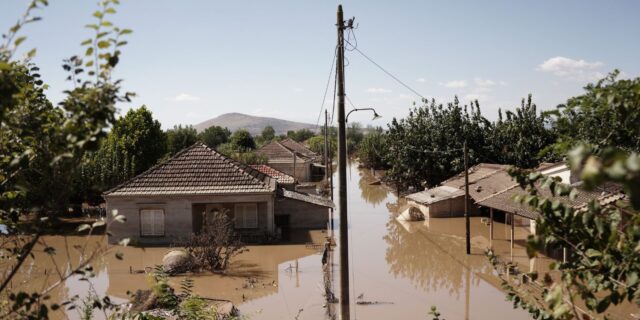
[{"x": 375, "y": 114}]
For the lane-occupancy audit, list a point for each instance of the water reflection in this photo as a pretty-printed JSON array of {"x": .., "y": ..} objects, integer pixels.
[
  {"x": 425, "y": 259},
  {"x": 370, "y": 189}
]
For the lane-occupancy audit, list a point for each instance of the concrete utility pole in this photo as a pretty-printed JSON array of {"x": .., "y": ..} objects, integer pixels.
[
  {"x": 342, "y": 172},
  {"x": 466, "y": 196}
]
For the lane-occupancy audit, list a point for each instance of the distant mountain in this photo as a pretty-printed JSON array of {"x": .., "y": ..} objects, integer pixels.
[{"x": 253, "y": 124}]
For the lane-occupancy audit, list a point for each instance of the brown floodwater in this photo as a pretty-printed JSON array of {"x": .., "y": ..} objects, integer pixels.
[{"x": 401, "y": 268}]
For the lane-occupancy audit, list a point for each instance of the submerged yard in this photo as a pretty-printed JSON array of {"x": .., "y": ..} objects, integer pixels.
[{"x": 398, "y": 269}]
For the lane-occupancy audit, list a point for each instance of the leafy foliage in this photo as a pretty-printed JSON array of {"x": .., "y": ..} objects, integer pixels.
[
  {"x": 521, "y": 138},
  {"x": 135, "y": 143},
  {"x": 425, "y": 148},
  {"x": 179, "y": 138},
  {"x": 300, "y": 135},
  {"x": 372, "y": 149},
  {"x": 605, "y": 115},
  {"x": 602, "y": 238},
  {"x": 242, "y": 140},
  {"x": 214, "y": 136},
  {"x": 41, "y": 148},
  {"x": 268, "y": 133}
]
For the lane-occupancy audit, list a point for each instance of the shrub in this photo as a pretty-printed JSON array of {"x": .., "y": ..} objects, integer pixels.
[{"x": 218, "y": 242}]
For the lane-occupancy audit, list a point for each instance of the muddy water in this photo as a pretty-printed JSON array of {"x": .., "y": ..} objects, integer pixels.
[{"x": 402, "y": 268}]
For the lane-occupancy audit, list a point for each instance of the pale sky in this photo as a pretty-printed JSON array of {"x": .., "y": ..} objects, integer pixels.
[{"x": 193, "y": 60}]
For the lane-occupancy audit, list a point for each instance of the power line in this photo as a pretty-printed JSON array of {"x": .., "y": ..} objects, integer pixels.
[
  {"x": 335, "y": 85},
  {"x": 351, "y": 103},
  {"x": 385, "y": 71},
  {"x": 326, "y": 89}
]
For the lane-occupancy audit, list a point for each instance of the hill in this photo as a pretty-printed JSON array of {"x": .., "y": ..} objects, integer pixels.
[{"x": 253, "y": 124}]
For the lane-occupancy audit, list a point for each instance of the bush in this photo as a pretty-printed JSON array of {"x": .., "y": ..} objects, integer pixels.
[{"x": 218, "y": 242}]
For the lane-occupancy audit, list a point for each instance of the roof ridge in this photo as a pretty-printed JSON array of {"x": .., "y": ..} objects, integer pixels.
[
  {"x": 472, "y": 170},
  {"x": 242, "y": 167},
  {"x": 285, "y": 147}
]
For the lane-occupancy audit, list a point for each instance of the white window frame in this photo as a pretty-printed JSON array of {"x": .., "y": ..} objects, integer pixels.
[
  {"x": 157, "y": 224},
  {"x": 245, "y": 215}
]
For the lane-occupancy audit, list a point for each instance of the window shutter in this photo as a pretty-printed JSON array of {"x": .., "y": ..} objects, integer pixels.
[
  {"x": 146, "y": 223},
  {"x": 246, "y": 215},
  {"x": 251, "y": 215},
  {"x": 151, "y": 222},
  {"x": 158, "y": 223}
]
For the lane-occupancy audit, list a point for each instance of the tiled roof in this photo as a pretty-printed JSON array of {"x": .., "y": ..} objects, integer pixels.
[
  {"x": 436, "y": 194},
  {"x": 317, "y": 200},
  {"x": 196, "y": 170},
  {"x": 476, "y": 172},
  {"x": 490, "y": 185},
  {"x": 274, "y": 150},
  {"x": 280, "y": 176},
  {"x": 298, "y": 147},
  {"x": 504, "y": 201}
]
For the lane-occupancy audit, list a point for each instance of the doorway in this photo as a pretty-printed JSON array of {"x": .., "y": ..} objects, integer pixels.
[{"x": 282, "y": 223}]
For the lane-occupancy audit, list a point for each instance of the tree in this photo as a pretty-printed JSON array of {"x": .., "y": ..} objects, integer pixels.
[
  {"x": 242, "y": 140},
  {"x": 300, "y": 135},
  {"x": 604, "y": 115},
  {"x": 602, "y": 238},
  {"x": 41, "y": 149},
  {"x": 521, "y": 138},
  {"x": 268, "y": 133},
  {"x": 214, "y": 136},
  {"x": 355, "y": 135},
  {"x": 372, "y": 149},
  {"x": 316, "y": 144},
  {"x": 135, "y": 143},
  {"x": 180, "y": 137},
  {"x": 425, "y": 148}
]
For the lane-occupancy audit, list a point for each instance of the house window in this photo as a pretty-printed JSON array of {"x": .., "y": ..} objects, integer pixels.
[
  {"x": 151, "y": 222},
  {"x": 246, "y": 215}
]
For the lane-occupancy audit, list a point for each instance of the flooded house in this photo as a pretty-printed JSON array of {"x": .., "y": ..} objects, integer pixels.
[
  {"x": 174, "y": 199},
  {"x": 447, "y": 199},
  {"x": 492, "y": 191},
  {"x": 292, "y": 158}
]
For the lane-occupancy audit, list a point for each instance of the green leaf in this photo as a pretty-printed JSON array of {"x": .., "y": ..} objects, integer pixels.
[
  {"x": 632, "y": 278},
  {"x": 125, "y": 31},
  {"x": 19, "y": 40},
  {"x": 103, "y": 44},
  {"x": 86, "y": 42},
  {"x": 591, "y": 253},
  {"x": 31, "y": 53},
  {"x": 89, "y": 51}
]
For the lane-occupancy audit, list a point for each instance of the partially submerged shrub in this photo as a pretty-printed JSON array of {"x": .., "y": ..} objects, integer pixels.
[{"x": 218, "y": 242}]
